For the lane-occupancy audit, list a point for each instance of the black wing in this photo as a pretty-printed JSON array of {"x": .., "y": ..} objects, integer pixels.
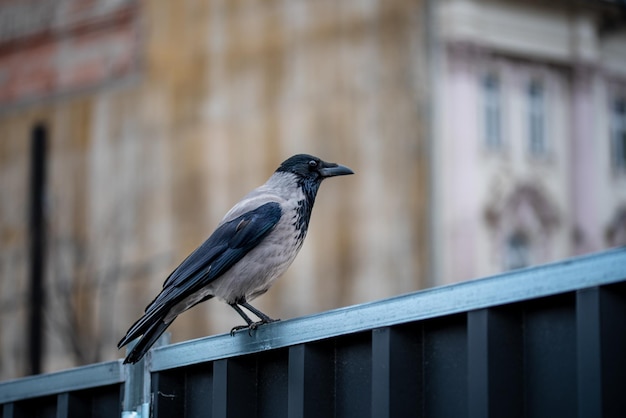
[{"x": 225, "y": 247}]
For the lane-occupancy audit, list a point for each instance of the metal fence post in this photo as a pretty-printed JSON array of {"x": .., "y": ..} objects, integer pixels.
[
  {"x": 136, "y": 390},
  {"x": 137, "y": 386}
]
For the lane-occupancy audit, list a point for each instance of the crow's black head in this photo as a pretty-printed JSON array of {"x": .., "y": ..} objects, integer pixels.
[
  {"x": 309, "y": 172},
  {"x": 311, "y": 168}
]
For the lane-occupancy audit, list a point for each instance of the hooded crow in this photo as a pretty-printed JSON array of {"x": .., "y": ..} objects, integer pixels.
[{"x": 252, "y": 246}]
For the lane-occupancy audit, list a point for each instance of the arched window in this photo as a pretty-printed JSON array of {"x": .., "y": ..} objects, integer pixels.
[
  {"x": 517, "y": 251},
  {"x": 523, "y": 222}
]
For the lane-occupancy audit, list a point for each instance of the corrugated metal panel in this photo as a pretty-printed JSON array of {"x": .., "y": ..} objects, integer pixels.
[{"x": 547, "y": 341}]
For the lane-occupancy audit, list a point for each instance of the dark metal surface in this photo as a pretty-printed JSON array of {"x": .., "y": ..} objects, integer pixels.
[
  {"x": 542, "y": 342},
  {"x": 37, "y": 233}
]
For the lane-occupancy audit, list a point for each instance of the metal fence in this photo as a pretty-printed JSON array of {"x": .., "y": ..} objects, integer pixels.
[{"x": 548, "y": 341}]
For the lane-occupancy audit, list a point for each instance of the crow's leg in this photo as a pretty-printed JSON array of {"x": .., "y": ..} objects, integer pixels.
[
  {"x": 264, "y": 318},
  {"x": 246, "y": 318},
  {"x": 250, "y": 324}
]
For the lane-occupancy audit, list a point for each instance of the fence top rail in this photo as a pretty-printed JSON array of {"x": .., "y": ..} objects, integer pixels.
[
  {"x": 560, "y": 277},
  {"x": 85, "y": 377}
]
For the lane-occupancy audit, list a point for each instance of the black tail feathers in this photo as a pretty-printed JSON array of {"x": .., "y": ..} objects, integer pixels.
[{"x": 149, "y": 337}]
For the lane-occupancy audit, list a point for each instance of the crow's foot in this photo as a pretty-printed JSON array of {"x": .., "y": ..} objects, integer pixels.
[{"x": 253, "y": 326}]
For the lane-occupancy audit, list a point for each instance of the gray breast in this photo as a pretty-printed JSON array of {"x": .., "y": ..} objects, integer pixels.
[{"x": 254, "y": 274}]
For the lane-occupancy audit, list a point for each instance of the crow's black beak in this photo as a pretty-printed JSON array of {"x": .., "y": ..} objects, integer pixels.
[{"x": 332, "y": 169}]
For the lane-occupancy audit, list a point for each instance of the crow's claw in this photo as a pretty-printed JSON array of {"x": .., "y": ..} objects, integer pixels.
[{"x": 251, "y": 327}]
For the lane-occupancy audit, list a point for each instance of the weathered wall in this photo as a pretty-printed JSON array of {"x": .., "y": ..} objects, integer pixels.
[{"x": 214, "y": 95}]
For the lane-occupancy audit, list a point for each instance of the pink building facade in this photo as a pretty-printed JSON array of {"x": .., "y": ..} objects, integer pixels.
[{"x": 529, "y": 134}]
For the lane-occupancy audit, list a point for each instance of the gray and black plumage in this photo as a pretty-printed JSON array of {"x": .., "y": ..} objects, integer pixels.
[{"x": 254, "y": 244}]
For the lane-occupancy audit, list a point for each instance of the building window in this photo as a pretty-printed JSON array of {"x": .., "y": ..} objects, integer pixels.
[
  {"x": 517, "y": 253},
  {"x": 536, "y": 119},
  {"x": 492, "y": 112},
  {"x": 619, "y": 134}
]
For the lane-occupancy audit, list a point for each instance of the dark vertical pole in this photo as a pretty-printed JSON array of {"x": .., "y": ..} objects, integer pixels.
[
  {"x": 495, "y": 363},
  {"x": 311, "y": 376},
  {"x": 478, "y": 363},
  {"x": 589, "y": 353},
  {"x": 396, "y": 372},
  {"x": 234, "y": 388},
  {"x": 37, "y": 246}
]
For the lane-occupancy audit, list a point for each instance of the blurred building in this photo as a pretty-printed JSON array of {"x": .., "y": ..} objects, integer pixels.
[
  {"x": 161, "y": 115},
  {"x": 529, "y": 156}
]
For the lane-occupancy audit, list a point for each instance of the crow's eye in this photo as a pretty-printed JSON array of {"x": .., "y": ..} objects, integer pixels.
[{"x": 312, "y": 164}]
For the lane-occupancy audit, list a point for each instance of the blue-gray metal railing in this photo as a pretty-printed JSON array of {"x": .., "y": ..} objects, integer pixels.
[{"x": 543, "y": 341}]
